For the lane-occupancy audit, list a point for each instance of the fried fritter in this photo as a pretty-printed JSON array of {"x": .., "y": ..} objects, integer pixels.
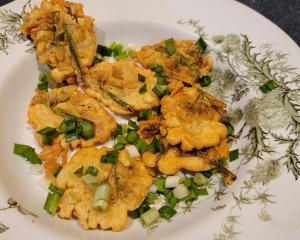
[
  {"x": 191, "y": 118},
  {"x": 149, "y": 128},
  {"x": 129, "y": 182},
  {"x": 174, "y": 160},
  {"x": 117, "y": 86},
  {"x": 46, "y": 27},
  {"x": 186, "y": 64}
]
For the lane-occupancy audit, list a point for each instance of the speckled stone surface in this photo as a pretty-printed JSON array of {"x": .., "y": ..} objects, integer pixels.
[{"x": 284, "y": 13}]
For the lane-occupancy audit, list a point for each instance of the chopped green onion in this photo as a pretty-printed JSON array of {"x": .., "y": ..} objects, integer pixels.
[
  {"x": 209, "y": 173},
  {"x": 79, "y": 171},
  {"x": 160, "y": 80},
  {"x": 144, "y": 114},
  {"x": 187, "y": 182},
  {"x": 269, "y": 86},
  {"x": 181, "y": 191},
  {"x": 133, "y": 125},
  {"x": 119, "y": 146},
  {"x": 157, "y": 109},
  {"x": 119, "y": 51},
  {"x": 151, "y": 197},
  {"x": 55, "y": 189},
  {"x": 167, "y": 212},
  {"x": 233, "y": 155},
  {"x": 102, "y": 192},
  {"x": 71, "y": 136},
  {"x": 191, "y": 196},
  {"x": 230, "y": 129},
  {"x": 141, "y": 145},
  {"x": 172, "y": 181},
  {"x": 141, "y": 78},
  {"x": 86, "y": 129},
  {"x": 121, "y": 139},
  {"x": 160, "y": 184},
  {"x": 43, "y": 86},
  {"x": 200, "y": 179},
  {"x": 169, "y": 195},
  {"x": 223, "y": 162},
  {"x": 67, "y": 125},
  {"x": 97, "y": 59},
  {"x": 48, "y": 135},
  {"x": 143, "y": 208},
  {"x": 90, "y": 179},
  {"x": 132, "y": 151},
  {"x": 27, "y": 152},
  {"x": 132, "y": 137},
  {"x": 155, "y": 146},
  {"x": 149, "y": 217},
  {"x": 156, "y": 68},
  {"x": 110, "y": 157},
  {"x": 57, "y": 170},
  {"x": 173, "y": 201},
  {"x": 118, "y": 130},
  {"x": 143, "y": 89},
  {"x": 161, "y": 90},
  {"x": 100, "y": 204},
  {"x": 205, "y": 81},
  {"x": 52, "y": 202},
  {"x": 201, "y": 192},
  {"x": 134, "y": 214},
  {"x": 170, "y": 46},
  {"x": 201, "y": 44},
  {"x": 92, "y": 170},
  {"x": 104, "y": 51}
]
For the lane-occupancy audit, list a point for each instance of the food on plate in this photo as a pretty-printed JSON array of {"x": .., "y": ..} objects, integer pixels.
[
  {"x": 182, "y": 60},
  {"x": 128, "y": 182},
  {"x": 123, "y": 86},
  {"x": 64, "y": 38},
  {"x": 191, "y": 118},
  {"x": 175, "y": 138}
]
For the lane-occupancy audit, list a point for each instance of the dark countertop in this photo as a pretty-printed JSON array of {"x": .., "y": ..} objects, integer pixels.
[{"x": 284, "y": 13}]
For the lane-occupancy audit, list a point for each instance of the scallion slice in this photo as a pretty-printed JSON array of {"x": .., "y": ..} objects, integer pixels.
[
  {"x": 161, "y": 90},
  {"x": 92, "y": 170},
  {"x": 27, "y": 152},
  {"x": 102, "y": 192},
  {"x": 67, "y": 125},
  {"x": 110, "y": 157},
  {"x": 191, "y": 196},
  {"x": 48, "y": 135},
  {"x": 144, "y": 114},
  {"x": 170, "y": 46},
  {"x": 205, "y": 81},
  {"x": 141, "y": 145},
  {"x": 230, "y": 129},
  {"x": 132, "y": 137},
  {"x": 160, "y": 80},
  {"x": 181, "y": 191},
  {"x": 201, "y": 192},
  {"x": 86, "y": 129},
  {"x": 269, "y": 86},
  {"x": 173, "y": 201},
  {"x": 151, "y": 197},
  {"x": 149, "y": 217},
  {"x": 104, "y": 51},
  {"x": 160, "y": 184},
  {"x": 233, "y": 155},
  {"x": 118, "y": 130},
  {"x": 100, "y": 204},
  {"x": 156, "y": 68},
  {"x": 55, "y": 189},
  {"x": 143, "y": 89},
  {"x": 71, "y": 136},
  {"x": 52, "y": 202},
  {"x": 119, "y": 146},
  {"x": 90, "y": 179},
  {"x": 121, "y": 139},
  {"x": 141, "y": 78},
  {"x": 43, "y": 86},
  {"x": 133, "y": 125},
  {"x": 201, "y": 44},
  {"x": 200, "y": 179},
  {"x": 167, "y": 212}
]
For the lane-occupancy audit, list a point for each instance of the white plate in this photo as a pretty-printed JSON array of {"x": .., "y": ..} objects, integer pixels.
[{"x": 262, "y": 204}]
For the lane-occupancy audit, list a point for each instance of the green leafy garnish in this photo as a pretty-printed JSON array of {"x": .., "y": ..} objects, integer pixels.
[
  {"x": 27, "y": 152},
  {"x": 201, "y": 44},
  {"x": 167, "y": 212},
  {"x": 48, "y": 135},
  {"x": 110, "y": 157},
  {"x": 92, "y": 170},
  {"x": 170, "y": 46},
  {"x": 144, "y": 114}
]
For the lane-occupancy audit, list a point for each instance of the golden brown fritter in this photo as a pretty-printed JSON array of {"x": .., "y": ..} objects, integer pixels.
[
  {"x": 174, "y": 159},
  {"x": 47, "y": 26},
  {"x": 186, "y": 64},
  {"x": 191, "y": 118},
  {"x": 117, "y": 86},
  {"x": 129, "y": 182}
]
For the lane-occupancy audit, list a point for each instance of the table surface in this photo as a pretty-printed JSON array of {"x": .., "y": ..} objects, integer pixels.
[{"x": 284, "y": 13}]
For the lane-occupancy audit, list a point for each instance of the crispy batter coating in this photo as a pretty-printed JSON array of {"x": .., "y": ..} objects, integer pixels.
[
  {"x": 191, "y": 118},
  {"x": 174, "y": 160},
  {"x": 149, "y": 128},
  {"x": 45, "y": 26},
  {"x": 121, "y": 80},
  {"x": 186, "y": 64},
  {"x": 129, "y": 184}
]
